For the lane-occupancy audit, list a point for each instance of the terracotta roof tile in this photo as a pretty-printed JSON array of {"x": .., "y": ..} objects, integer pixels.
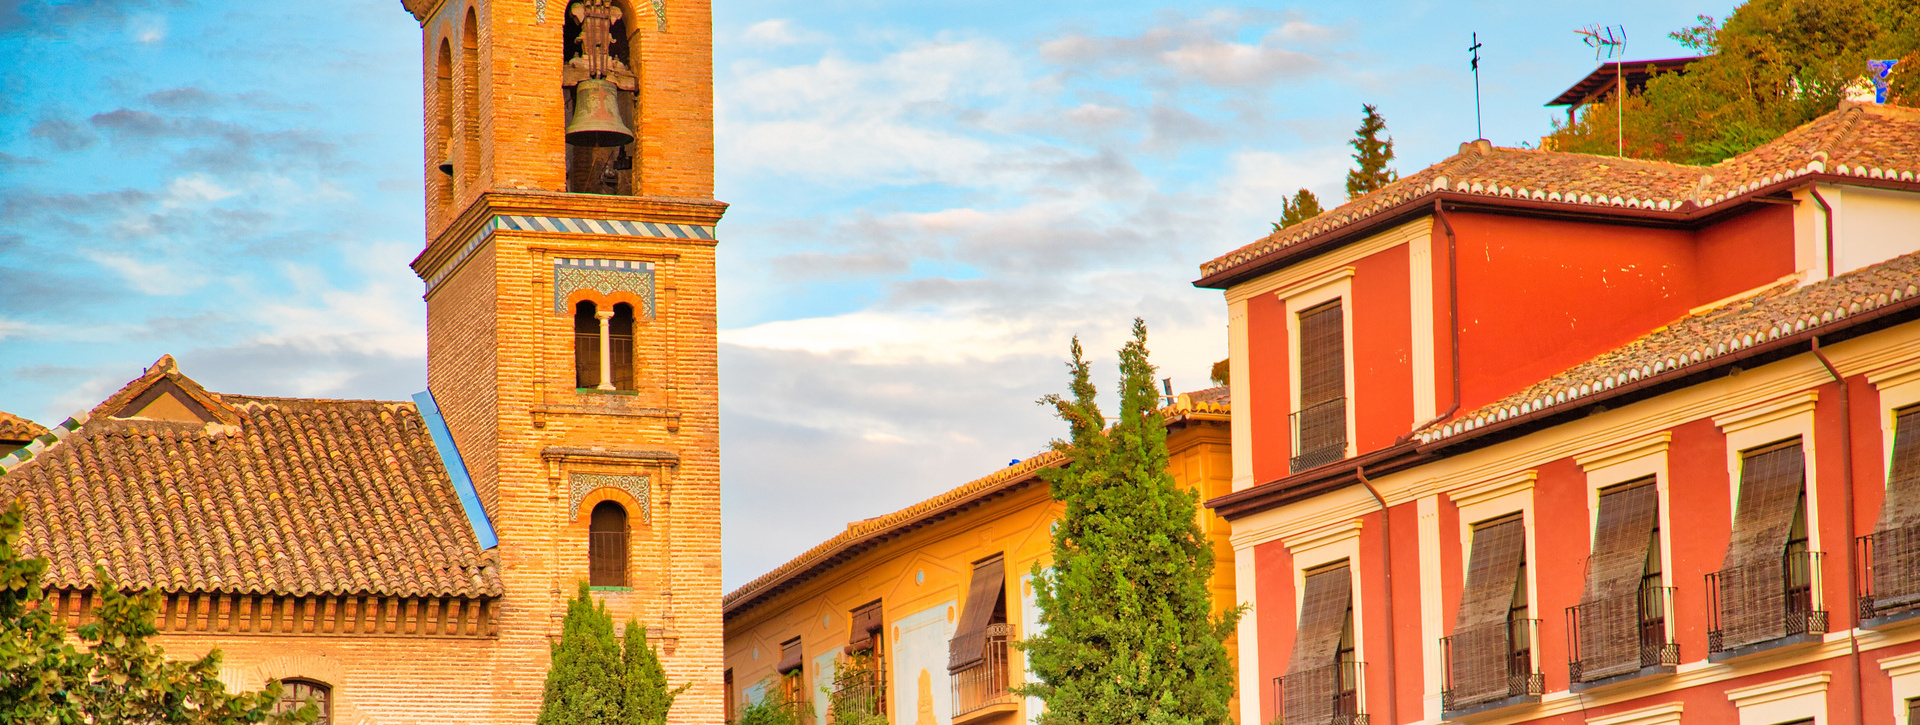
[
  {"x": 1863, "y": 140},
  {"x": 16, "y": 428},
  {"x": 294, "y": 496},
  {"x": 1695, "y": 340}
]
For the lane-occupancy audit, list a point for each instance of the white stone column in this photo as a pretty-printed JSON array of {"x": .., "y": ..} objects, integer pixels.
[{"x": 606, "y": 348}]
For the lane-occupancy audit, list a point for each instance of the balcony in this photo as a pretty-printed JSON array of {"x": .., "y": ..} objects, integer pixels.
[
  {"x": 1326, "y": 696},
  {"x": 1319, "y": 434},
  {"x": 1605, "y": 659},
  {"x": 859, "y": 688},
  {"x": 1490, "y": 667},
  {"x": 1759, "y": 607},
  {"x": 1889, "y": 577},
  {"x": 982, "y": 689}
]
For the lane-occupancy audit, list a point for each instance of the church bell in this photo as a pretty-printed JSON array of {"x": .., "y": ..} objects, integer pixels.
[{"x": 596, "y": 115}]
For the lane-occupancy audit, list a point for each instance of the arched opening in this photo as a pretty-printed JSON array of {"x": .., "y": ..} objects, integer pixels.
[
  {"x": 586, "y": 345},
  {"x": 469, "y": 170},
  {"x": 620, "y": 345},
  {"x": 298, "y": 691},
  {"x": 607, "y": 545},
  {"x": 441, "y": 181},
  {"x": 598, "y": 45}
]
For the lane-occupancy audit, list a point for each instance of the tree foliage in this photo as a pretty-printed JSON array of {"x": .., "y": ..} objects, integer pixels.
[
  {"x": 592, "y": 681},
  {"x": 1301, "y": 207},
  {"x": 122, "y": 677},
  {"x": 1773, "y": 65},
  {"x": 765, "y": 711},
  {"x": 1372, "y": 154},
  {"x": 1129, "y": 635}
]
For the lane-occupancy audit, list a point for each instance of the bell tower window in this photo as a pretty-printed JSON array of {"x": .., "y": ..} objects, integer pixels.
[
  {"x": 469, "y": 101},
  {"x": 607, "y": 545},
  {"x": 603, "y": 346},
  {"x": 598, "y": 86},
  {"x": 442, "y": 184}
]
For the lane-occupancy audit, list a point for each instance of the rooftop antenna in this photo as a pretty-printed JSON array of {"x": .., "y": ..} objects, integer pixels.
[
  {"x": 1611, "y": 42},
  {"x": 1478, "y": 131}
]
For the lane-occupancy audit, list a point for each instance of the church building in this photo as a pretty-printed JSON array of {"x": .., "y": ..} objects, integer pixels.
[{"x": 410, "y": 561}]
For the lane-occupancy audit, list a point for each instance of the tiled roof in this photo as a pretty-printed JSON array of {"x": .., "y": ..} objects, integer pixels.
[
  {"x": 1697, "y": 339},
  {"x": 1859, "y": 140},
  {"x": 16, "y": 428},
  {"x": 277, "y": 495},
  {"x": 1208, "y": 404}
]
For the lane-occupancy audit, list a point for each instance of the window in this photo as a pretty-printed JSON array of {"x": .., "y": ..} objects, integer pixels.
[
  {"x": 295, "y": 691},
  {"x": 443, "y": 126},
  {"x": 469, "y": 171},
  {"x": 793, "y": 690},
  {"x": 1892, "y": 551},
  {"x": 607, "y": 545},
  {"x": 1620, "y": 625},
  {"x": 597, "y": 88},
  {"x": 1489, "y": 656},
  {"x": 586, "y": 346},
  {"x": 603, "y": 347},
  {"x": 1765, "y": 588},
  {"x": 1320, "y": 418},
  {"x": 1323, "y": 674},
  {"x": 977, "y": 657},
  {"x": 726, "y": 688},
  {"x": 860, "y": 682}
]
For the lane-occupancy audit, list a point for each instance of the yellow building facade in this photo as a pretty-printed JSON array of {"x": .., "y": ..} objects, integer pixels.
[{"x": 909, "y": 614}]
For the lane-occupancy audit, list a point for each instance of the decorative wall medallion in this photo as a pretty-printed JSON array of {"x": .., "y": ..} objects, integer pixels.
[
  {"x": 605, "y": 276},
  {"x": 581, "y": 484}
]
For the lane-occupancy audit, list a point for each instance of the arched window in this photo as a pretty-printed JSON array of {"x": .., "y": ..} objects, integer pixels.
[
  {"x": 586, "y": 346},
  {"x": 620, "y": 346},
  {"x": 607, "y": 546},
  {"x": 469, "y": 170},
  {"x": 297, "y": 691},
  {"x": 442, "y": 152}
]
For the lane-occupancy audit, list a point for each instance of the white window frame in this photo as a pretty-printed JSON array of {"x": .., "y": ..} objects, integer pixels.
[
  {"x": 1477, "y": 504},
  {"x": 1781, "y": 701},
  {"x": 1624, "y": 463},
  {"x": 1772, "y": 422},
  {"x": 1316, "y": 549},
  {"x": 1335, "y": 284}
]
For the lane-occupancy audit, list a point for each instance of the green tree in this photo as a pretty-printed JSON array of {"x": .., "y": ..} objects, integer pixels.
[
  {"x": 1772, "y": 66},
  {"x": 767, "y": 710},
  {"x": 1128, "y": 632},
  {"x": 122, "y": 677},
  {"x": 1220, "y": 371},
  {"x": 593, "y": 682},
  {"x": 647, "y": 698},
  {"x": 1301, "y": 207},
  {"x": 1372, "y": 154}
]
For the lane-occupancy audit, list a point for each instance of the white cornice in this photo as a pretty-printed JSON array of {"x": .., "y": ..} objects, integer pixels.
[
  {"x": 1779, "y": 690},
  {"x": 1625, "y": 451},
  {"x": 1768, "y": 412}
]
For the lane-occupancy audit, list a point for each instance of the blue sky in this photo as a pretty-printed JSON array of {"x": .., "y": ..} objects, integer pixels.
[{"x": 929, "y": 199}]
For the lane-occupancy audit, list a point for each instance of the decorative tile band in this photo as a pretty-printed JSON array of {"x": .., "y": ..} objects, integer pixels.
[
  {"x": 605, "y": 276},
  {"x": 565, "y": 225},
  {"x": 581, "y": 484},
  {"x": 42, "y": 443}
]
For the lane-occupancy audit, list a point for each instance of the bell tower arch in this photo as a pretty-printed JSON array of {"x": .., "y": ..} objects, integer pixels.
[{"x": 567, "y": 168}]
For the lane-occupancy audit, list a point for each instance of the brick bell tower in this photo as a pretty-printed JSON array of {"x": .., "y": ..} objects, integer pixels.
[{"x": 569, "y": 270}]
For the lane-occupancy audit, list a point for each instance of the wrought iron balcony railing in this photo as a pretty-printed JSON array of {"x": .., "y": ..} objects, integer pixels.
[
  {"x": 1758, "y": 603},
  {"x": 1490, "y": 664},
  {"x": 1319, "y": 434},
  {"x": 1326, "y": 696},
  {"x": 859, "y": 687},
  {"x": 1889, "y": 573},
  {"x": 986, "y": 683},
  {"x": 1595, "y": 654}
]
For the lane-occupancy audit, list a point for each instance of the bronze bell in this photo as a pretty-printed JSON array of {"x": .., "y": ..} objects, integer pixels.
[
  {"x": 446, "y": 165},
  {"x": 596, "y": 115}
]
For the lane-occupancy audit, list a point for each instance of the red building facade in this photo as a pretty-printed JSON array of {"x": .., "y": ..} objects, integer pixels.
[{"x": 1535, "y": 436}]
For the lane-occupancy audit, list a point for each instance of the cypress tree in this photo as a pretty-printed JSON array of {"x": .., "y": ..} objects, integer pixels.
[
  {"x": 1372, "y": 154},
  {"x": 1301, "y": 207},
  {"x": 647, "y": 698},
  {"x": 1128, "y": 632},
  {"x": 584, "y": 683}
]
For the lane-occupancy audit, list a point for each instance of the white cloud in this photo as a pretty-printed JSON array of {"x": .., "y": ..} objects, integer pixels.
[
  {"x": 150, "y": 276},
  {"x": 1202, "y": 49},
  {"x": 777, "y": 32},
  {"x": 193, "y": 189}
]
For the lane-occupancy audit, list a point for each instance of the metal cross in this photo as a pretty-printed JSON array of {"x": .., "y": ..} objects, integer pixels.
[{"x": 1478, "y": 130}]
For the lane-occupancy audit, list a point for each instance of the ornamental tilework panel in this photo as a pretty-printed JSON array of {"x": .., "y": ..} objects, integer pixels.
[
  {"x": 580, "y": 484},
  {"x": 601, "y": 275}
]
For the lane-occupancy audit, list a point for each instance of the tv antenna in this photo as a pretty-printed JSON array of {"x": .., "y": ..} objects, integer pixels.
[
  {"x": 1611, "y": 42},
  {"x": 1479, "y": 132}
]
